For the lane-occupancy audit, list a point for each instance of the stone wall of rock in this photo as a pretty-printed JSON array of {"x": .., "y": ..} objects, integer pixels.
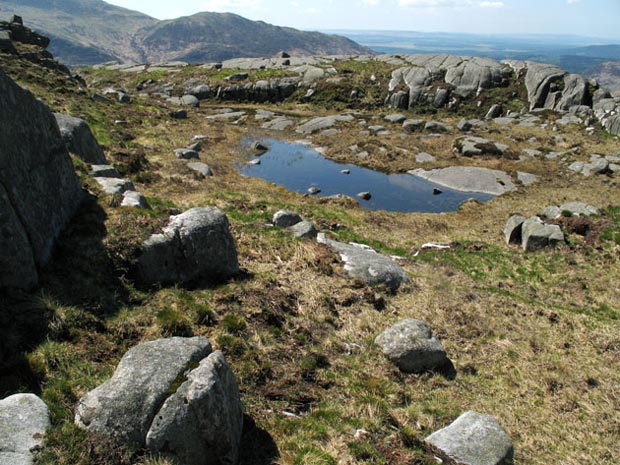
[{"x": 39, "y": 190}]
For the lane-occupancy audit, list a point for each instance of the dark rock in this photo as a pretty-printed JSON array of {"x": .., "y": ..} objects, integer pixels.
[
  {"x": 186, "y": 154},
  {"x": 201, "y": 92},
  {"x": 259, "y": 147},
  {"x": 494, "y": 112},
  {"x": 237, "y": 77},
  {"x": 285, "y": 218},
  {"x": 437, "y": 191},
  {"x": 413, "y": 125},
  {"x": 364, "y": 195},
  {"x": 441, "y": 98},
  {"x": 314, "y": 190},
  {"x": 178, "y": 114}
]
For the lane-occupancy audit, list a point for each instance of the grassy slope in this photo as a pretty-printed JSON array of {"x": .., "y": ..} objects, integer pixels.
[{"x": 533, "y": 337}]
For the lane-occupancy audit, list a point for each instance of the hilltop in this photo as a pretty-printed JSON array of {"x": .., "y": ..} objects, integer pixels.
[
  {"x": 86, "y": 32},
  {"x": 530, "y": 330}
]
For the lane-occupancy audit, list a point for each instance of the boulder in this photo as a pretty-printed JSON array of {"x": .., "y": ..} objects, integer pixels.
[
  {"x": 512, "y": 230},
  {"x": 538, "y": 80},
  {"x": 494, "y": 112},
  {"x": 413, "y": 125},
  {"x": 201, "y": 423},
  {"x": 201, "y": 168},
  {"x": 367, "y": 265},
  {"x": 24, "y": 420},
  {"x": 79, "y": 139},
  {"x": 200, "y": 91},
  {"x": 303, "y": 229},
  {"x": 112, "y": 186},
  {"x": 104, "y": 171},
  {"x": 395, "y": 118},
  {"x": 39, "y": 190},
  {"x": 472, "y": 439},
  {"x": 474, "y": 146},
  {"x": 186, "y": 154},
  {"x": 411, "y": 346},
  {"x": 537, "y": 235},
  {"x": 125, "y": 406},
  {"x": 195, "y": 245},
  {"x": 285, "y": 218},
  {"x": 135, "y": 199},
  {"x": 178, "y": 114}
]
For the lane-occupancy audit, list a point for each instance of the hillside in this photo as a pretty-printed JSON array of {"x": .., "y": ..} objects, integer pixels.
[
  {"x": 91, "y": 31},
  {"x": 178, "y": 263}
]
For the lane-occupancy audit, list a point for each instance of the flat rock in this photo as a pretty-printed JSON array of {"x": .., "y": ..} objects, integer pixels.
[
  {"x": 278, "y": 124},
  {"x": 194, "y": 245},
  {"x": 24, "y": 421},
  {"x": 201, "y": 168},
  {"x": 134, "y": 199},
  {"x": 112, "y": 186},
  {"x": 411, "y": 346},
  {"x": 79, "y": 139},
  {"x": 125, "y": 406},
  {"x": 322, "y": 122},
  {"x": 473, "y": 146},
  {"x": 395, "y": 118},
  {"x": 468, "y": 179},
  {"x": 201, "y": 423},
  {"x": 285, "y": 218},
  {"x": 226, "y": 116},
  {"x": 424, "y": 157},
  {"x": 413, "y": 125},
  {"x": 303, "y": 229},
  {"x": 436, "y": 126},
  {"x": 367, "y": 265},
  {"x": 578, "y": 209},
  {"x": 104, "y": 171},
  {"x": 472, "y": 439}
]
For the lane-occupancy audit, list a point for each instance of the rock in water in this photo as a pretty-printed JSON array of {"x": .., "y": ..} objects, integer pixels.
[
  {"x": 411, "y": 346},
  {"x": 79, "y": 139},
  {"x": 473, "y": 439},
  {"x": 195, "y": 245},
  {"x": 39, "y": 190},
  {"x": 24, "y": 420},
  {"x": 124, "y": 406},
  {"x": 201, "y": 422},
  {"x": 367, "y": 265}
]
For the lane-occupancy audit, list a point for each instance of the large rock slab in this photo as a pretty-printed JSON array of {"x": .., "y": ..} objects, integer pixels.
[
  {"x": 473, "y": 439},
  {"x": 469, "y": 179},
  {"x": 322, "y": 122},
  {"x": 195, "y": 245},
  {"x": 124, "y": 407},
  {"x": 201, "y": 423},
  {"x": 39, "y": 190},
  {"x": 411, "y": 346},
  {"x": 79, "y": 139},
  {"x": 367, "y": 265},
  {"x": 24, "y": 420}
]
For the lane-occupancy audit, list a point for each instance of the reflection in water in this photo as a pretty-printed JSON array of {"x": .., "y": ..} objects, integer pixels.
[{"x": 298, "y": 167}]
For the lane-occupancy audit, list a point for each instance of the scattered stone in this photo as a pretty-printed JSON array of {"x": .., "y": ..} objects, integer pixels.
[
  {"x": 285, "y": 218},
  {"x": 186, "y": 154},
  {"x": 504, "y": 121},
  {"x": 278, "y": 124},
  {"x": 578, "y": 209},
  {"x": 411, "y": 346},
  {"x": 472, "y": 439},
  {"x": 255, "y": 161},
  {"x": 178, "y": 114},
  {"x": 112, "y": 186},
  {"x": 395, "y": 118},
  {"x": 237, "y": 77},
  {"x": 436, "y": 126},
  {"x": 413, "y": 125},
  {"x": 201, "y": 423},
  {"x": 464, "y": 125},
  {"x": 367, "y": 265},
  {"x": 512, "y": 230},
  {"x": 322, "y": 122},
  {"x": 552, "y": 212},
  {"x": 104, "y": 171},
  {"x": 79, "y": 139},
  {"x": 24, "y": 421},
  {"x": 135, "y": 199},
  {"x": 376, "y": 129},
  {"x": 314, "y": 190},
  {"x": 526, "y": 178},
  {"x": 227, "y": 116},
  {"x": 195, "y": 245},
  {"x": 303, "y": 229},
  {"x": 364, "y": 195},
  {"x": 196, "y": 147},
  {"x": 263, "y": 114},
  {"x": 201, "y": 168},
  {"x": 494, "y": 112},
  {"x": 475, "y": 146},
  {"x": 537, "y": 235},
  {"x": 424, "y": 157},
  {"x": 259, "y": 147}
]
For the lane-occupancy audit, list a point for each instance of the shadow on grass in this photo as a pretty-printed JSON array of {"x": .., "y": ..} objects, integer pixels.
[{"x": 258, "y": 447}]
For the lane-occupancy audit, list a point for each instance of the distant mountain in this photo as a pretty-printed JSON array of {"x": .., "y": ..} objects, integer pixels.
[
  {"x": 609, "y": 52},
  {"x": 86, "y": 32}
]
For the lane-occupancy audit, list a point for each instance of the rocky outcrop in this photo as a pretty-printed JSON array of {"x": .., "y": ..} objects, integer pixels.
[
  {"x": 79, "y": 139},
  {"x": 365, "y": 264},
  {"x": 411, "y": 346},
  {"x": 472, "y": 439},
  {"x": 39, "y": 190},
  {"x": 172, "y": 395},
  {"x": 24, "y": 421},
  {"x": 195, "y": 245}
]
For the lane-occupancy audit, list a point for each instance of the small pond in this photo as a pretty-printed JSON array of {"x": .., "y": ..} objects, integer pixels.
[{"x": 299, "y": 167}]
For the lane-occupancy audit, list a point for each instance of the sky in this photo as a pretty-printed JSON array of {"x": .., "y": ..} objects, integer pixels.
[{"x": 593, "y": 18}]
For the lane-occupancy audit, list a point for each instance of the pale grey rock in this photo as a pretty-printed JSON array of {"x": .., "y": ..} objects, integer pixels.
[
  {"x": 194, "y": 245},
  {"x": 413, "y": 125},
  {"x": 424, "y": 157},
  {"x": 24, "y": 421},
  {"x": 285, "y": 218},
  {"x": 494, "y": 112},
  {"x": 79, "y": 139},
  {"x": 201, "y": 168},
  {"x": 473, "y": 146},
  {"x": 411, "y": 346},
  {"x": 569, "y": 119},
  {"x": 313, "y": 190},
  {"x": 367, "y": 265},
  {"x": 468, "y": 179},
  {"x": 376, "y": 128},
  {"x": 552, "y": 212},
  {"x": 134, "y": 199},
  {"x": 125, "y": 406},
  {"x": 578, "y": 209},
  {"x": 464, "y": 125},
  {"x": 264, "y": 115},
  {"x": 574, "y": 92},
  {"x": 512, "y": 229},
  {"x": 537, "y": 235},
  {"x": 232, "y": 115},
  {"x": 538, "y": 80},
  {"x": 104, "y": 171},
  {"x": 278, "y": 124},
  {"x": 436, "y": 126},
  {"x": 395, "y": 118},
  {"x": 186, "y": 154},
  {"x": 303, "y": 229},
  {"x": 201, "y": 423},
  {"x": 112, "y": 186},
  {"x": 323, "y": 122},
  {"x": 504, "y": 121},
  {"x": 472, "y": 439},
  {"x": 526, "y": 179}
]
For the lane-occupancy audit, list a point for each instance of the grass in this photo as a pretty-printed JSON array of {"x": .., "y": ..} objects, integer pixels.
[{"x": 533, "y": 337}]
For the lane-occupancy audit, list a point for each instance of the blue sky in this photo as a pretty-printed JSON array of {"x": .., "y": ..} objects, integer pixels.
[{"x": 595, "y": 18}]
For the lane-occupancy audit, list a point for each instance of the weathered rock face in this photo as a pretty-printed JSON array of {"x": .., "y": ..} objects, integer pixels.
[
  {"x": 411, "y": 346},
  {"x": 79, "y": 139},
  {"x": 513, "y": 228},
  {"x": 201, "y": 422},
  {"x": 39, "y": 190},
  {"x": 367, "y": 265},
  {"x": 473, "y": 439},
  {"x": 536, "y": 235},
  {"x": 124, "y": 406},
  {"x": 24, "y": 420},
  {"x": 196, "y": 244}
]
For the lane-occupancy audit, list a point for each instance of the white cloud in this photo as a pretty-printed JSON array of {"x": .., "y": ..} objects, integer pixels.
[{"x": 572, "y": 2}]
